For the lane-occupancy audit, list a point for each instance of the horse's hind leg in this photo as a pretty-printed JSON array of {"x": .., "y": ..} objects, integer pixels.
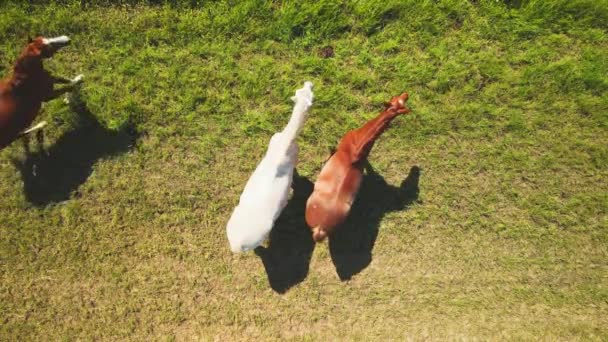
[
  {"x": 33, "y": 129},
  {"x": 25, "y": 140},
  {"x": 40, "y": 141},
  {"x": 72, "y": 86}
]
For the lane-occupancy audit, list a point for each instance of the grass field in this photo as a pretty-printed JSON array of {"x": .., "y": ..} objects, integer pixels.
[{"x": 486, "y": 215}]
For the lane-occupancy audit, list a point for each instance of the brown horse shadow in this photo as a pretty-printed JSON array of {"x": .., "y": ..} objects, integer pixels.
[
  {"x": 54, "y": 175},
  {"x": 287, "y": 257},
  {"x": 351, "y": 245}
]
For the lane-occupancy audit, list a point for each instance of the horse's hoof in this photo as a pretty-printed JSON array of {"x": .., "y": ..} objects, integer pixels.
[{"x": 78, "y": 79}]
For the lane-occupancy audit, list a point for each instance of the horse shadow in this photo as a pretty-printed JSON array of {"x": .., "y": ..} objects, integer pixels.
[
  {"x": 351, "y": 245},
  {"x": 287, "y": 257},
  {"x": 54, "y": 175}
]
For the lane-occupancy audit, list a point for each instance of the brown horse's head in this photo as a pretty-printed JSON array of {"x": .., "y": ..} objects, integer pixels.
[
  {"x": 397, "y": 103},
  {"x": 45, "y": 47}
]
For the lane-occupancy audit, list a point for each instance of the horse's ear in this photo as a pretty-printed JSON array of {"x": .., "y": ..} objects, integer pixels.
[{"x": 387, "y": 104}]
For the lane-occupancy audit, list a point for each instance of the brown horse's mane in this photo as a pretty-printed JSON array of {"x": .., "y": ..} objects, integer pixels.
[{"x": 28, "y": 65}]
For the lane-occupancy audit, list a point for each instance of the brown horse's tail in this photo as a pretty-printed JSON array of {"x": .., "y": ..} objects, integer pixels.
[{"x": 318, "y": 234}]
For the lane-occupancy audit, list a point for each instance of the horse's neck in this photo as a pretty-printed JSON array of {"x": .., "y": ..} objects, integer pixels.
[
  {"x": 365, "y": 136},
  {"x": 295, "y": 124},
  {"x": 286, "y": 143},
  {"x": 27, "y": 74},
  {"x": 27, "y": 67}
]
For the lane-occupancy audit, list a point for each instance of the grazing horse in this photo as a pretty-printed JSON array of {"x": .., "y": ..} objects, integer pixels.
[
  {"x": 22, "y": 94},
  {"x": 339, "y": 181}
]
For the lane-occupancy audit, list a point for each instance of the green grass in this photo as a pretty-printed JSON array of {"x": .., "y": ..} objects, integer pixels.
[{"x": 505, "y": 236}]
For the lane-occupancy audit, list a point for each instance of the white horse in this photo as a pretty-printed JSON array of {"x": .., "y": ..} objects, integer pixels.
[{"x": 265, "y": 194}]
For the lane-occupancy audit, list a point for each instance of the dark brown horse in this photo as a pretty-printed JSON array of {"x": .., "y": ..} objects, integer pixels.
[
  {"x": 339, "y": 181},
  {"x": 22, "y": 94}
]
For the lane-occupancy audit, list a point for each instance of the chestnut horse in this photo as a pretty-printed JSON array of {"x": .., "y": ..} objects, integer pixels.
[
  {"x": 22, "y": 94},
  {"x": 338, "y": 183}
]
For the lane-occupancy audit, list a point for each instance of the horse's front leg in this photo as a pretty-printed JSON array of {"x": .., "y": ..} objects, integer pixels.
[
  {"x": 60, "y": 80},
  {"x": 71, "y": 85},
  {"x": 63, "y": 80}
]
